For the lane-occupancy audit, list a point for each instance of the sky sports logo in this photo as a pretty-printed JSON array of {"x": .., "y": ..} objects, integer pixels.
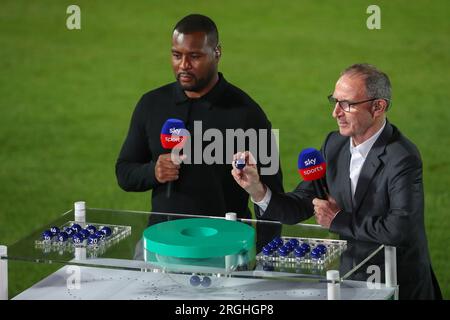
[
  {"x": 313, "y": 173},
  {"x": 311, "y": 164},
  {"x": 175, "y": 131},
  {"x": 172, "y": 138}
]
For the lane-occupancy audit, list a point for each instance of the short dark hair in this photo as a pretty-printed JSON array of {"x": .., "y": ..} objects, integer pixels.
[
  {"x": 199, "y": 23},
  {"x": 377, "y": 82}
]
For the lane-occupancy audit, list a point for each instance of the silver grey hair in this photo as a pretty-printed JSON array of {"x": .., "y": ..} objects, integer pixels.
[{"x": 377, "y": 82}]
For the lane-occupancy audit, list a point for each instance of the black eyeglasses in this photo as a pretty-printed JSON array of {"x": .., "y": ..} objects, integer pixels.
[{"x": 344, "y": 104}]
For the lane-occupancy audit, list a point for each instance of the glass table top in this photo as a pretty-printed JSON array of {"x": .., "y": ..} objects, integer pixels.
[{"x": 196, "y": 245}]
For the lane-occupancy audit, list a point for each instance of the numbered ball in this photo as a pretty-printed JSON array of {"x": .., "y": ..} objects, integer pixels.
[
  {"x": 63, "y": 236},
  {"x": 76, "y": 227},
  {"x": 47, "y": 235},
  {"x": 92, "y": 240},
  {"x": 106, "y": 230},
  {"x": 70, "y": 232},
  {"x": 100, "y": 235},
  {"x": 85, "y": 233},
  {"x": 92, "y": 229},
  {"x": 78, "y": 238}
]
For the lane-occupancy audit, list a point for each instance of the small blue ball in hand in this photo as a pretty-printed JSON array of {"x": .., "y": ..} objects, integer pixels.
[{"x": 239, "y": 163}]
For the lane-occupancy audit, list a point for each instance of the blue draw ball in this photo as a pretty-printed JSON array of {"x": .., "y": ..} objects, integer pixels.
[
  {"x": 106, "y": 230},
  {"x": 47, "y": 235},
  {"x": 273, "y": 245},
  {"x": 77, "y": 238},
  {"x": 54, "y": 230},
  {"x": 92, "y": 229},
  {"x": 239, "y": 163},
  {"x": 206, "y": 282},
  {"x": 63, "y": 236},
  {"x": 315, "y": 254},
  {"x": 322, "y": 248},
  {"x": 267, "y": 250},
  {"x": 278, "y": 241},
  {"x": 92, "y": 240},
  {"x": 195, "y": 281},
  {"x": 305, "y": 246},
  {"x": 69, "y": 231},
  {"x": 100, "y": 235},
  {"x": 76, "y": 227},
  {"x": 85, "y": 233},
  {"x": 283, "y": 251},
  {"x": 299, "y": 252},
  {"x": 289, "y": 245}
]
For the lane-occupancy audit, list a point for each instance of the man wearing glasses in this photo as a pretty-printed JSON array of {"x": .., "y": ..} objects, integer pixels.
[{"x": 374, "y": 178}]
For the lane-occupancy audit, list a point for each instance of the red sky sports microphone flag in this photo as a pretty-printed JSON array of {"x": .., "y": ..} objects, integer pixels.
[
  {"x": 312, "y": 167},
  {"x": 173, "y": 135}
]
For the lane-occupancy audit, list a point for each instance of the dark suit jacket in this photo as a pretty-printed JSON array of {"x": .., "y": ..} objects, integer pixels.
[{"x": 388, "y": 206}]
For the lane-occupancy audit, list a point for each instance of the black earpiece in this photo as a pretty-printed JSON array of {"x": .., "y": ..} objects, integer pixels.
[{"x": 217, "y": 51}]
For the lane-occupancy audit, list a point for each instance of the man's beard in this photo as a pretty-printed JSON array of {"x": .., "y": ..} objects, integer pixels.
[{"x": 198, "y": 84}]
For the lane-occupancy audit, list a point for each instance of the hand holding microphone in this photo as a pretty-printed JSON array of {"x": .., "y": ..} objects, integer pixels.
[
  {"x": 325, "y": 211},
  {"x": 312, "y": 167},
  {"x": 173, "y": 136},
  {"x": 166, "y": 170}
]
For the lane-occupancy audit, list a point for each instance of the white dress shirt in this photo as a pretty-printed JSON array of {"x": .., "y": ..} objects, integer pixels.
[
  {"x": 264, "y": 203},
  {"x": 359, "y": 155}
]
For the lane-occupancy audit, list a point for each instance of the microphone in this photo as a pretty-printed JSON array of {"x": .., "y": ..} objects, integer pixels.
[
  {"x": 312, "y": 167},
  {"x": 173, "y": 136}
]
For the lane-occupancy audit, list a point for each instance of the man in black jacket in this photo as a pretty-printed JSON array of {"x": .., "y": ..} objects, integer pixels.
[
  {"x": 374, "y": 178},
  {"x": 202, "y": 99}
]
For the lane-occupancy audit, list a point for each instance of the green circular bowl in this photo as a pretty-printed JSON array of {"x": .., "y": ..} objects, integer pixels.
[{"x": 199, "y": 238}]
